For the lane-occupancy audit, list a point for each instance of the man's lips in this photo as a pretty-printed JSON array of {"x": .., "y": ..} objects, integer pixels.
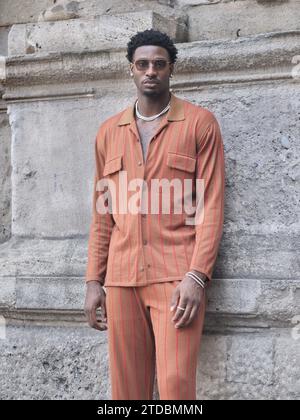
[{"x": 150, "y": 82}]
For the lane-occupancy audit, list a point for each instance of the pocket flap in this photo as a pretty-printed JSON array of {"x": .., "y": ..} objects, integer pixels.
[
  {"x": 113, "y": 165},
  {"x": 185, "y": 163}
]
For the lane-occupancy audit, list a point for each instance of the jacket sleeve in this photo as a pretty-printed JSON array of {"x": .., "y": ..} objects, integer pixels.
[
  {"x": 101, "y": 224},
  {"x": 210, "y": 168}
]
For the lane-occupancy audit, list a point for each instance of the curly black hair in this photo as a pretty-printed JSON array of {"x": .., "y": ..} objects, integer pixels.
[{"x": 151, "y": 37}]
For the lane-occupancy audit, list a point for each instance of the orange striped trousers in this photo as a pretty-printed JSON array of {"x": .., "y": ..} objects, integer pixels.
[{"x": 142, "y": 337}]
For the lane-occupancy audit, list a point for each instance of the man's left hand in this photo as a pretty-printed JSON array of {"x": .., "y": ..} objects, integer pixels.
[{"x": 188, "y": 295}]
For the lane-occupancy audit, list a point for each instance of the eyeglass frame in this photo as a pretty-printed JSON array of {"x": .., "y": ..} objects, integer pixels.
[{"x": 152, "y": 61}]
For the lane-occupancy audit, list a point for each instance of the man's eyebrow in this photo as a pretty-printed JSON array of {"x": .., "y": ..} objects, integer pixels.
[{"x": 156, "y": 58}]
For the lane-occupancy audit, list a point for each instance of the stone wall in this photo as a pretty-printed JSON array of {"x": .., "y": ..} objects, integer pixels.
[{"x": 65, "y": 72}]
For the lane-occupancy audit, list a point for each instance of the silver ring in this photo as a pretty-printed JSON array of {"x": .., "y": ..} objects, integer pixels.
[{"x": 182, "y": 309}]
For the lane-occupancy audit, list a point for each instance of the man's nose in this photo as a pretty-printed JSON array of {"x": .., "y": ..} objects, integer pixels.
[{"x": 151, "y": 71}]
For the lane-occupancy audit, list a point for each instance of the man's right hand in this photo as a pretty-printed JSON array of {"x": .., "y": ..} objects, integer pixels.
[{"x": 95, "y": 298}]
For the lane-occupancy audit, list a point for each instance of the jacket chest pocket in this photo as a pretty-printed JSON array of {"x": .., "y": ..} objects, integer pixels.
[
  {"x": 113, "y": 165},
  {"x": 182, "y": 162}
]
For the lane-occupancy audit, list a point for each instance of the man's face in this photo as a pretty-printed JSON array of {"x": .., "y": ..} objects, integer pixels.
[{"x": 151, "y": 80}]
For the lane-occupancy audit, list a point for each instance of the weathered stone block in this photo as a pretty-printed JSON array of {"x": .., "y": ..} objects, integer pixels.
[
  {"x": 5, "y": 173},
  {"x": 234, "y": 296},
  {"x": 53, "y": 362},
  {"x": 4, "y": 31},
  {"x": 240, "y": 18},
  {"x": 250, "y": 360},
  {"x": 7, "y": 292},
  {"x": 287, "y": 364},
  {"x": 105, "y": 31}
]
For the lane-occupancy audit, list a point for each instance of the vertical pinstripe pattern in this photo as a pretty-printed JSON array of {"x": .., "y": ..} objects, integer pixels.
[
  {"x": 187, "y": 145},
  {"x": 142, "y": 336}
]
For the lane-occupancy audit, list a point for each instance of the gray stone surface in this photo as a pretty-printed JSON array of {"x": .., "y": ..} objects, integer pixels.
[
  {"x": 57, "y": 96},
  {"x": 71, "y": 362},
  {"x": 249, "y": 365},
  {"x": 5, "y": 174},
  {"x": 28, "y": 11},
  {"x": 286, "y": 366},
  {"x": 65, "y": 188},
  {"x": 241, "y": 18},
  {"x": 53, "y": 362},
  {"x": 14, "y": 11},
  {"x": 260, "y": 58},
  {"x": 226, "y": 297},
  {"x": 250, "y": 360},
  {"x": 4, "y": 31},
  {"x": 106, "y": 31},
  {"x": 7, "y": 292}
]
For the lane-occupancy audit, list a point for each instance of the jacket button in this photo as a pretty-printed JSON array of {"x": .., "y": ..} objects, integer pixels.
[
  {"x": 142, "y": 268},
  {"x": 140, "y": 163},
  {"x": 145, "y": 242}
]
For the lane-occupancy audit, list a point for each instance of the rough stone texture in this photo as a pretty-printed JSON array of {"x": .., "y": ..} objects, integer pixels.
[
  {"x": 259, "y": 58},
  {"x": 286, "y": 366},
  {"x": 70, "y": 362},
  {"x": 31, "y": 11},
  {"x": 62, "y": 11},
  {"x": 5, "y": 174},
  {"x": 241, "y": 18},
  {"x": 54, "y": 362},
  {"x": 107, "y": 31},
  {"x": 8, "y": 292},
  {"x": 56, "y": 102},
  {"x": 14, "y": 11},
  {"x": 63, "y": 188},
  {"x": 4, "y": 40},
  {"x": 249, "y": 365}
]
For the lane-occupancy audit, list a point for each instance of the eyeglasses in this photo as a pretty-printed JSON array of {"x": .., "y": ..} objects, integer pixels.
[{"x": 143, "y": 65}]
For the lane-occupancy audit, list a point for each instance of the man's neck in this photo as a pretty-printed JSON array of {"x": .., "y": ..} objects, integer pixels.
[{"x": 149, "y": 106}]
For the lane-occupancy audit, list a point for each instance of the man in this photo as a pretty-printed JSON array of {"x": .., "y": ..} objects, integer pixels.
[{"x": 154, "y": 264}]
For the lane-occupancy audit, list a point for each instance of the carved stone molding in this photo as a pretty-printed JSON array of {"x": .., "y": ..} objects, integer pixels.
[{"x": 252, "y": 59}]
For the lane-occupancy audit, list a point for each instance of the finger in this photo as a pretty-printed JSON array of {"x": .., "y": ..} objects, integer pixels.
[
  {"x": 103, "y": 309},
  {"x": 192, "y": 316},
  {"x": 93, "y": 321},
  {"x": 179, "y": 310},
  {"x": 174, "y": 299},
  {"x": 98, "y": 324},
  {"x": 184, "y": 317}
]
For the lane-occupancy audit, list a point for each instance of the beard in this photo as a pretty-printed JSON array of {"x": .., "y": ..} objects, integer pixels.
[{"x": 151, "y": 94}]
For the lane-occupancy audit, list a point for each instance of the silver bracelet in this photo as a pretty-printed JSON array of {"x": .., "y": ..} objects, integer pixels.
[{"x": 196, "y": 278}]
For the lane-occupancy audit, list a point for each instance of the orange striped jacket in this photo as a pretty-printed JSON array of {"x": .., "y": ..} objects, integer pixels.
[{"x": 132, "y": 246}]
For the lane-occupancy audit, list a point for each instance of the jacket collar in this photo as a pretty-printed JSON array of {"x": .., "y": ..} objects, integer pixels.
[{"x": 175, "y": 113}]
